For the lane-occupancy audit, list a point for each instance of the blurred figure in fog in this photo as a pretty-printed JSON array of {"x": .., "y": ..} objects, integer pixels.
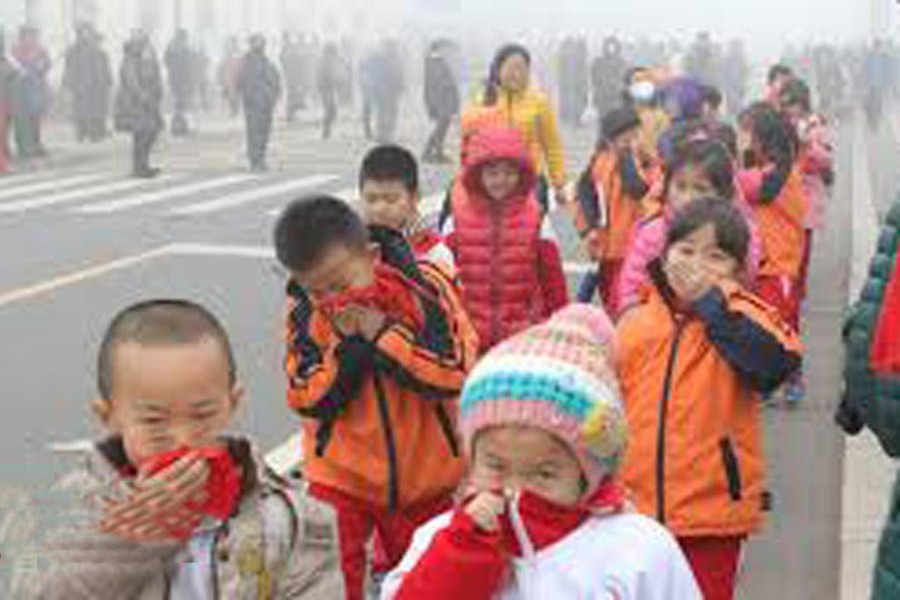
[
  {"x": 735, "y": 73},
  {"x": 389, "y": 85},
  {"x": 607, "y": 73},
  {"x": 328, "y": 80},
  {"x": 777, "y": 78},
  {"x": 702, "y": 62},
  {"x": 878, "y": 78},
  {"x": 829, "y": 80},
  {"x": 572, "y": 81},
  {"x": 138, "y": 108},
  {"x": 260, "y": 88},
  {"x": 179, "y": 64},
  {"x": 200, "y": 74},
  {"x": 442, "y": 98},
  {"x": 368, "y": 68},
  {"x": 8, "y": 74},
  {"x": 31, "y": 92},
  {"x": 228, "y": 72},
  {"x": 88, "y": 78},
  {"x": 291, "y": 67}
]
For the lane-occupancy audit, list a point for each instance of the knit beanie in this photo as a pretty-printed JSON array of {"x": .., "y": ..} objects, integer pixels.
[{"x": 559, "y": 377}]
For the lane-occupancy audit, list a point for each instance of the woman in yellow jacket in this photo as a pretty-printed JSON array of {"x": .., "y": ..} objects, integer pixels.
[{"x": 509, "y": 98}]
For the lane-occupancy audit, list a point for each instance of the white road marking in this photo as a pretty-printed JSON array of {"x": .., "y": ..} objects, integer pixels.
[
  {"x": 10, "y": 179},
  {"x": 55, "y": 184},
  {"x": 253, "y": 195},
  {"x": 82, "y": 275},
  {"x": 64, "y": 197},
  {"x": 162, "y": 195}
]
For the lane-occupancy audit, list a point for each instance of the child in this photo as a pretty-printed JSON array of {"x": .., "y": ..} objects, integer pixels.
[
  {"x": 700, "y": 168},
  {"x": 610, "y": 197},
  {"x": 389, "y": 186},
  {"x": 178, "y": 508},
  {"x": 816, "y": 162},
  {"x": 378, "y": 345},
  {"x": 694, "y": 356},
  {"x": 543, "y": 516},
  {"x": 509, "y": 263},
  {"x": 772, "y": 183}
]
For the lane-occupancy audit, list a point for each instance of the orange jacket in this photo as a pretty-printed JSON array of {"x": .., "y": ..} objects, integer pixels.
[
  {"x": 381, "y": 417},
  {"x": 608, "y": 230},
  {"x": 690, "y": 381},
  {"x": 781, "y": 223}
]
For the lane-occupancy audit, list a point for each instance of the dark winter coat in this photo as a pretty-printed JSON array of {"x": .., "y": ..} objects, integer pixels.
[
  {"x": 873, "y": 399},
  {"x": 88, "y": 77},
  {"x": 442, "y": 99},
  {"x": 139, "y": 99},
  {"x": 259, "y": 82}
]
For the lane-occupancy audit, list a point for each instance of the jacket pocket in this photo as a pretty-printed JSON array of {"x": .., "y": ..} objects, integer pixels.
[{"x": 732, "y": 469}]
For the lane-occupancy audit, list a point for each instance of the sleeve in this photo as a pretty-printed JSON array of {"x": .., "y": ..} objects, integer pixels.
[
  {"x": 93, "y": 566},
  {"x": 552, "y": 144},
  {"x": 324, "y": 371},
  {"x": 756, "y": 342},
  {"x": 641, "y": 250},
  {"x": 633, "y": 183},
  {"x": 550, "y": 269},
  {"x": 435, "y": 361},
  {"x": 312, "y": 567},
  {"x": 458, "y": 561},
  {"x": 750, "y": 182}
]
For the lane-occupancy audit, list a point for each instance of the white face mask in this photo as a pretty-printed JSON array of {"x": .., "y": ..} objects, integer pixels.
[{"x": 642, "y": 91}]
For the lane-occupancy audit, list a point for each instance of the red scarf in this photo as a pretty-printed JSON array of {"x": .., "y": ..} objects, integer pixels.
[
  {"x": 885, "y": 356},
  {"x": 391, "y": 293},
  {"x": 548, "y": 522},
  {"x": 223, "y": 488}
]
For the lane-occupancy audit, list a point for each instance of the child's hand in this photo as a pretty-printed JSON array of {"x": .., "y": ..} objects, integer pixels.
[
  {"x": 689, "y": 283},
  {"x": 156, "y": 505},
  {"x": 486, "y": 509},
  {"x": 360, "y": 320}
]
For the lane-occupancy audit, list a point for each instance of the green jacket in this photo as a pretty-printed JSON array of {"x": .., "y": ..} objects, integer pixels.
[{"x": 874, "y": 401}]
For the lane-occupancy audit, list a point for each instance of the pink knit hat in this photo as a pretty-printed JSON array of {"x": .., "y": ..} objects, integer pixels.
[{"x": 558, "y": 377}]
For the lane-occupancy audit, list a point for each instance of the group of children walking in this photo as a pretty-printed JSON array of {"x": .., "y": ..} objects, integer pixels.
[{"x": 468, "y": 433}]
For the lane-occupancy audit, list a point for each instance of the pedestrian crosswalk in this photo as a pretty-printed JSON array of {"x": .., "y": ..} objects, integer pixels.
[
  {"x": 98, "y": 194},
  {"x": 183, "y": 195}
]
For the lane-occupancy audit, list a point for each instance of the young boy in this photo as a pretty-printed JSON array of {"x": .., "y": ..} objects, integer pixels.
[
  {"x": 389, "y": 186},
  {"x": 168, "y": 506},
  {"x": 612, "y": 190},
  {"x": 378, "y": 346}
]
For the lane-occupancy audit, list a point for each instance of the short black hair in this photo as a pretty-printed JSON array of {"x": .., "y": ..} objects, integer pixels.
[
  {"x": 732, "y": 231},
  {"x": 779, "y": 70},
  {"x": 712, "y": 96},
  {"x": 389, "y": 162},
  {"x": 310, "y": 226},
  {"x": 160, "y": 322}
]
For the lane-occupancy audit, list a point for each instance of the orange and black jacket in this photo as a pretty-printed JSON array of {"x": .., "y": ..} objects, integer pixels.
[
  {"x": 380, "y": 416},
  {"x": 691, "y": 382}
]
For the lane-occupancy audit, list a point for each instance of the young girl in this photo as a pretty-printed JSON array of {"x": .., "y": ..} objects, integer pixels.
[
  {"x": 772, "y": 183},
  {"x": 507, "y": 260},
  {"x": 610, "y": 196},
  {"x": 700, "y": 168},
  {"x": 543, "y": 424},
  {"x": 693, "y": 357},
  {"x": 816, "y": 161}
]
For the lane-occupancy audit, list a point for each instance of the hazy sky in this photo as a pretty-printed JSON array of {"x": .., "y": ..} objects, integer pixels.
[{"x": 765, "y": 21}]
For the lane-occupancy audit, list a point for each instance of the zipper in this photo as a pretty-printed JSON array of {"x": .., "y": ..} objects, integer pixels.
[
  {"x": 732, "y": 469},
  {"x": 390, "y": 445},
  {"x": 214, "y": 558},
  {"x": 661, "y": 428}
]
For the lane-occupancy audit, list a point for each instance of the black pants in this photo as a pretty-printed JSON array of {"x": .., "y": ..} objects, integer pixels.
[
  {"x": 367, "y": 111},
  {"x": 142, "y": 142},
  {"x": 435, "y": 146},
  {"x": 329, "y": 103},
  {"x": 259, "y": 127}
]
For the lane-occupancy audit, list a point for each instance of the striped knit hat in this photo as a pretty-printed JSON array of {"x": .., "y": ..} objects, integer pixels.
[{"x": 558, "y": 377}]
